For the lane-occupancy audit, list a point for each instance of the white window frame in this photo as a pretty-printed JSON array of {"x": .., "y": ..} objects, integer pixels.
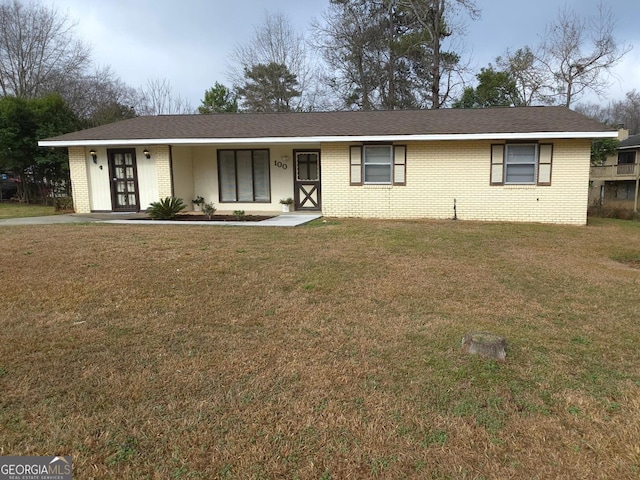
[
  {"x": 388, "y": 163},
  {"x": 533, "y": 163}
]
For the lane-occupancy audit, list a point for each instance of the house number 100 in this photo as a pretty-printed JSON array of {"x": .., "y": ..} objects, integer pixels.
[{"x": 280, "y": 164}]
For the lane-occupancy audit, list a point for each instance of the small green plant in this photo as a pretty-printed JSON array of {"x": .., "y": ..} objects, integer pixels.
[
  {"x": 580, "y": 340},
  {"x": 286, "y": 201},
  {"x": 198, "y": 200},
  {"x": 166, "y": 209},
  {"x": 125, "y": 452},
  {"x": 209, "y": 209},
  {"x": 239, "y": 214},
  {"x": 435, "y": 437}
]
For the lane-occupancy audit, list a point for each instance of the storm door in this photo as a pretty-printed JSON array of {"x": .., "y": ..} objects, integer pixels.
[
  {"x": 307, "y": 180},
  {"x": 124, "y": 180}
]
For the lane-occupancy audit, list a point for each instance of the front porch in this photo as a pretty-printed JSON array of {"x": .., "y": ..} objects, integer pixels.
[
  {"x": 250, "y": 178},
  {"x": 254, "y": 178}
]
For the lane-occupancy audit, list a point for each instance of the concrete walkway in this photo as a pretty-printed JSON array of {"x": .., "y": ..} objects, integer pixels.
[
  {"x": 48, "y": 220},
  {"x": 280, "y": 220}
]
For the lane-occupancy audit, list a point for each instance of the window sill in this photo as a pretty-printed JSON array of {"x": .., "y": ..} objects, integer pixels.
[
  {"x": 377, "y": 186},
  {"x": 520, "y": 186}
]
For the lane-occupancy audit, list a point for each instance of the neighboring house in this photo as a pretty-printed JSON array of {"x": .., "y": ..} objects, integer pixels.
[
  {"x": 526, "y": 164},
  {"x": 615, "y": 184}
]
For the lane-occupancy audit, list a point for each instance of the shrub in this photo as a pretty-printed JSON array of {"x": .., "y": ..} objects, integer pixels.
[
  {"x": 63, "y": 204},
  {"x": 166, "y": 209},
  {"x": 614, "y": 211},
  {"x": 208, "y": 209}
]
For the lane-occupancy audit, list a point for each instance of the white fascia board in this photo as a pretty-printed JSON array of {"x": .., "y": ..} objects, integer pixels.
[{"x": 328, "y": 139}]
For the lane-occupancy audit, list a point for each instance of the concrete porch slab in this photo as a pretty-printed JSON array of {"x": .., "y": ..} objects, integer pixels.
[{"x": 279, "y": 220}]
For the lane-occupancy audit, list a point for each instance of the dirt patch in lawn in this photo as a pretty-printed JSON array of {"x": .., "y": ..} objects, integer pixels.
[
  {"x": 632, "y": 263},
  {"x": 630, "y": 259}
]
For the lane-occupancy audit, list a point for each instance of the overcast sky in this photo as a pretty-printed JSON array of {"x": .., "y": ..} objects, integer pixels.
[{"x": 189, "y": 42}]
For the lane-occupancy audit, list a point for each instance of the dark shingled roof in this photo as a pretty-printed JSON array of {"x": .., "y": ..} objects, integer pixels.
[
  {"x": 632, "y": 142},
  {"x": 339, "y": 124}
]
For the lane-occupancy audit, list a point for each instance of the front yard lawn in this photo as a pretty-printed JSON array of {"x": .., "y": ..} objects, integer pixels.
[
  {"x": 325, "y": 351},
  {"x": 20, "y": 210}
]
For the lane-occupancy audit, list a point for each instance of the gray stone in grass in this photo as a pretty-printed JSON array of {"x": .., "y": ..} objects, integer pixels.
[{"x": 485, "y": 344}]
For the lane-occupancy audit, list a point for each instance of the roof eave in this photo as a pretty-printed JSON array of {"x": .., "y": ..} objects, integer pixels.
[{"x": 331, "y": 139}]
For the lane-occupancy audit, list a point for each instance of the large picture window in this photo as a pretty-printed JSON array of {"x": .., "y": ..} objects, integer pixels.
[{"x": 244, "y": 175}]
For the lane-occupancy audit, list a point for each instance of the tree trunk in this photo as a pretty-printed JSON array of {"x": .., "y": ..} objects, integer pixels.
[{"x": 438, "y": 13}]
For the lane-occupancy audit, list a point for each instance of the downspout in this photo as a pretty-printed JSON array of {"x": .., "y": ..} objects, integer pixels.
[{"x": 173, "y": 190}]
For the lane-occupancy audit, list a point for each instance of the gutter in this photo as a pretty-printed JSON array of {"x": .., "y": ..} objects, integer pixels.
[{"x": 330, "y": 139}]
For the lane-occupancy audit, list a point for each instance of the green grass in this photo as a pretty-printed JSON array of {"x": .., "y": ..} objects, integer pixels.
[
  {"x": 17, "y": 210},
  {"x": 326, "y": 351}
]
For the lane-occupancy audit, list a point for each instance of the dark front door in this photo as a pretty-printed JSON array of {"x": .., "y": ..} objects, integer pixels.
[
  {"x": 124, "y": 180},
  {"x": 307, "y": 182}
]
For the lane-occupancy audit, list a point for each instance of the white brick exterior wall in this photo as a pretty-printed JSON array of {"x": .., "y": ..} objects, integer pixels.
[
  {"x": 436, "y": 174},
  {"x": 79, "y": 180},
  {"x": 439, "y": 172},
  {"x": 163, "y": 170}
]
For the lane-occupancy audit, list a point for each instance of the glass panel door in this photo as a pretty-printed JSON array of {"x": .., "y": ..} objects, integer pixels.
[{"x": 124, "y": 182}]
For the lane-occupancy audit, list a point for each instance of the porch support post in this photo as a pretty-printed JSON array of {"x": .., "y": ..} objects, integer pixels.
[
  {"x": 635, "y": 199},
  {"x": 162, "y": 155},
  {"x": 78, "y": 172}
]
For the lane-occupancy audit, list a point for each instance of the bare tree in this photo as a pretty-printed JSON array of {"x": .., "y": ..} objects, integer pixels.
[
  {"x": 275, "y": 41},
  {"x": 579, "y": 52},
  {"x": 95, "y": 92},
  {"x": 391, "y": 53},
  {"x": 435, "y": 17},
  {"x": 627, "y": 112},
  {"x": 157, "y": 98},
  {"x": 594, "y": 110},
  {"x": 38, "y": 50},
  {"x": 528, "y": 73},
  {"x": 352, "y": 41}
]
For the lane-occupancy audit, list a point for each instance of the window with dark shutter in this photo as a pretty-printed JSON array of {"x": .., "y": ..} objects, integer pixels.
[{"x": 497, "y": 164}]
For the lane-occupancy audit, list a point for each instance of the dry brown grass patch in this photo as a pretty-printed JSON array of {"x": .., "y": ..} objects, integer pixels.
[{"x": 329, "y": 351}]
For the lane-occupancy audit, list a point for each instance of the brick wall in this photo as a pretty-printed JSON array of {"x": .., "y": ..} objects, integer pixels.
[
  {"x": 163, "y": 170},
  {"x": 79, "y": 180},
  {"x": 439, "y": 172}
]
